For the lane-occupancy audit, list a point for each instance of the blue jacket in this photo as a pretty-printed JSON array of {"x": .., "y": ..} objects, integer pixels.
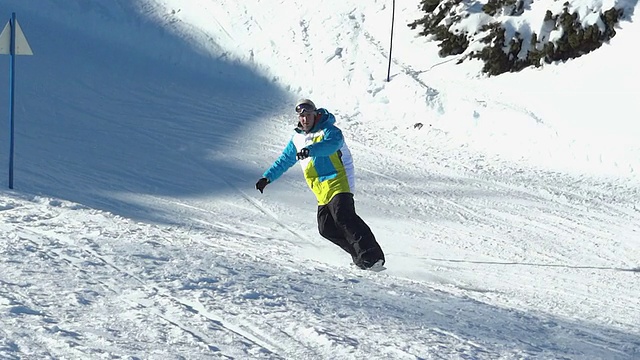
[{"x": 329, "y": 168}]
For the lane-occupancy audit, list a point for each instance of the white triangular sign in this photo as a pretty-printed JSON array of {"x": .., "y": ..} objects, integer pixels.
[
  {"x": 5, "y": 40},
  {"x": 22, "y": 46}
]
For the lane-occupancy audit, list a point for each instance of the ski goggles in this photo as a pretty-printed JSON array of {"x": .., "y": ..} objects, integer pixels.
[{"x": 304, "y": 108}]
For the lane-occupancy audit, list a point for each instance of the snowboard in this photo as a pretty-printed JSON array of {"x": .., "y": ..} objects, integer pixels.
[{"x": 375, "y": 268}]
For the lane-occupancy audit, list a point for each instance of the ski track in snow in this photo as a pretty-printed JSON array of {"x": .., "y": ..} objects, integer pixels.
[{"x": 148, "y": 282}]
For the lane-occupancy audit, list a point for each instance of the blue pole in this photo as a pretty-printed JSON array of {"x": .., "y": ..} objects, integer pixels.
[{"x": 12, "y": 72}]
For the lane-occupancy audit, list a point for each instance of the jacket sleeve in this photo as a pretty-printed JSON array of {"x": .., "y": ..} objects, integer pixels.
[
  {"x": 286, "y": 160},
  {"x": 331, "y": 142}
]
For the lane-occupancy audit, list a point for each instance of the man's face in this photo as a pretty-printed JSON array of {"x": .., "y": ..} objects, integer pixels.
[{"x": 307, "y": 120}]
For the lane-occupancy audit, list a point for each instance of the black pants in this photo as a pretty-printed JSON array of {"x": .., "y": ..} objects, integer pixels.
[{"x": 339, "y": 223}]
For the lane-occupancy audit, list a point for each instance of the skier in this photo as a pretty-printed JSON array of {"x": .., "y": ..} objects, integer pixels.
[{"x": 328, "y": 169}]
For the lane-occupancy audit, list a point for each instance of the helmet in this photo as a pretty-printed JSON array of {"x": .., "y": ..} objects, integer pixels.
[{"x": 305, "y": 105}]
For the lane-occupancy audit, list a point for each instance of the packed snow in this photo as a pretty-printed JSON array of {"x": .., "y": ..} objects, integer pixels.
[{"x": 507, "y": 207}]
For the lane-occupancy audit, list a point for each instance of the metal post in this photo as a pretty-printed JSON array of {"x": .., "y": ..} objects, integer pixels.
[
  {"x": 393, "y": 15},
  {"x": 12, "y": 69}
]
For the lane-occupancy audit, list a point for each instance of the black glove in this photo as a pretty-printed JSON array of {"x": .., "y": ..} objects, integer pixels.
[
  {"x": 303, "y": 154},
  {"x": 261, "y": 184}
]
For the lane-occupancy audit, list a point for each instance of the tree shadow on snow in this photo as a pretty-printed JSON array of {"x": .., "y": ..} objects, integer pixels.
[{"x": 114, "y": 106}]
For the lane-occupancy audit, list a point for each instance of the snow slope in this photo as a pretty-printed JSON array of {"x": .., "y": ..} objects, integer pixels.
[{"x": 509, "y": 216}]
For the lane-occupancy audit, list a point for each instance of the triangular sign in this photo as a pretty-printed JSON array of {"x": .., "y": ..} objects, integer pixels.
[
  {"x": 5, "y": 40},
  {"x": 22, "y": 46}
]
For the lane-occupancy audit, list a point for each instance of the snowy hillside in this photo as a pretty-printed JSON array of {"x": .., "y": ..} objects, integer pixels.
[{"x": 507, "y": 206}]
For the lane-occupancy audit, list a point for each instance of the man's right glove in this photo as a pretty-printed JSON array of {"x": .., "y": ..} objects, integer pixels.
[
  {"x": 303, "y": 154},
  {"x": 261, "y": 184}
]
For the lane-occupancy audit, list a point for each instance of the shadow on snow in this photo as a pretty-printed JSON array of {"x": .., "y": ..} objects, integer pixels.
[{"x": 114, "y": 105}]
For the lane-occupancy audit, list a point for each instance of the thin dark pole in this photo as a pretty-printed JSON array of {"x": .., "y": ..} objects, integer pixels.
[
  {"x": 12, "y": 76},
  {"x": 393, "y": 15}
]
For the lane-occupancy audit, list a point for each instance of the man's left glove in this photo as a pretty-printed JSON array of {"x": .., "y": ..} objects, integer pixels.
[
  {"x": 261, "y": 184},
  {"x": 303, "y": 154}
]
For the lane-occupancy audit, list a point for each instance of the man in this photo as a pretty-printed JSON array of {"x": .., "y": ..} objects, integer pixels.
[{"x": 328, "y": 169}]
